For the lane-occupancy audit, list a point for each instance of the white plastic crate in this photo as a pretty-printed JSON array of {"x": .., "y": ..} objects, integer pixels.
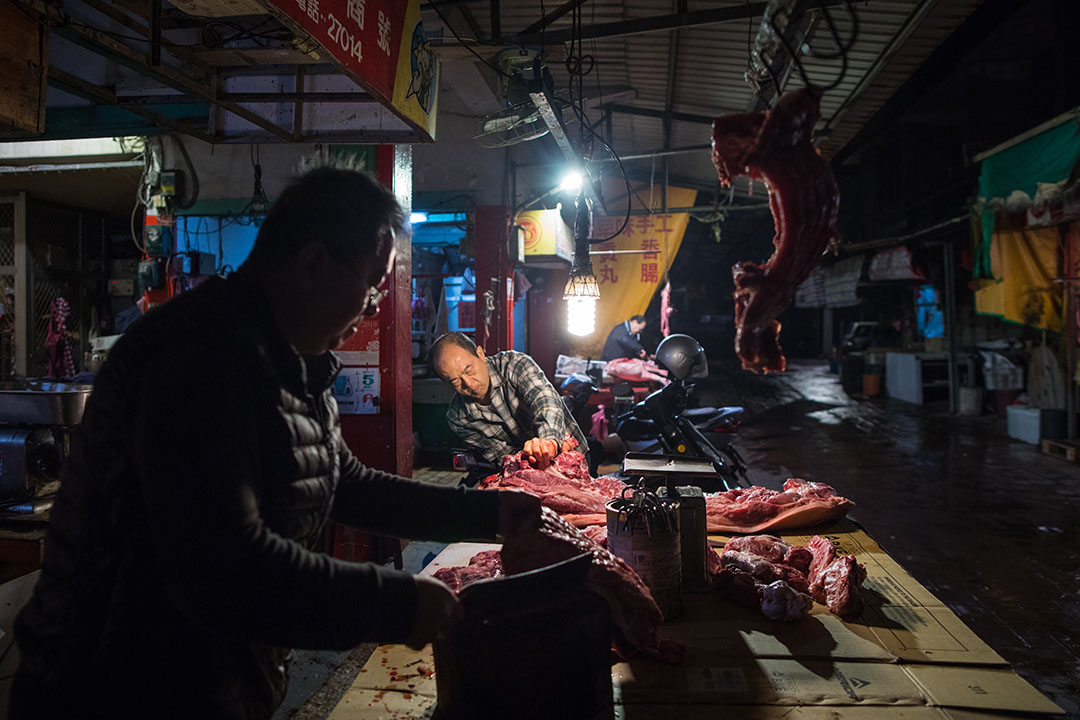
[{"x": 1032, "y": 424}]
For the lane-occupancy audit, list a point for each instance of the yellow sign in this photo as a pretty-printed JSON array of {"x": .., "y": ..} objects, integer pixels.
[
  {"x": 545, "y": 234},
  {"x": 628, "y": 281},
  {"x": 416, "y": 87}
]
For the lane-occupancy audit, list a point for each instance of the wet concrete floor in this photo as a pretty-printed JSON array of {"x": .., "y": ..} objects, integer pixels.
[{"x": 987, "y": 523}]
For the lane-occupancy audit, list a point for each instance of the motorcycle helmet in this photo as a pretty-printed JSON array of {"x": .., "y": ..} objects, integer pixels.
[{"x": 683, "y": 357}]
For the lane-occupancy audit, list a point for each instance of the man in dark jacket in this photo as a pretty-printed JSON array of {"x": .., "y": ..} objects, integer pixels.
[
  {"x": 178, "y": 565},
  {"x": 624, "y": 340}
]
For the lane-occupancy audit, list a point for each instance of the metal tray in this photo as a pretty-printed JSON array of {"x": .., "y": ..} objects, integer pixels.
[
  {"x": 655, "y": 465},
  {"x": 42, "y": 403}
]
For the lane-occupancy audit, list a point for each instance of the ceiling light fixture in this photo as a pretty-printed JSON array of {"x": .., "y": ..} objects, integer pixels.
[{"x": 582, "y": 291}]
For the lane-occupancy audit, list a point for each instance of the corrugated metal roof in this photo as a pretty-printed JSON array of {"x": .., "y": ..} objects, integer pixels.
[{"x": 895, "y": 36}]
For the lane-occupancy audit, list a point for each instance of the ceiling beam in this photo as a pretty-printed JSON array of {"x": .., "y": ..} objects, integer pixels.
[
  {"x": 658, "y": 23},
  {"x": 653, "y": 113},
  {"x": 252, "y": 97},
  {"x": 103, "y": 96},
  {"x": 102, "y": 44},
  {"x": 552, "y": 16}
]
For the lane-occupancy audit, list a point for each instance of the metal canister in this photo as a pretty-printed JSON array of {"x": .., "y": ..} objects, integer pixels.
[{"x": 643, "y": 530}]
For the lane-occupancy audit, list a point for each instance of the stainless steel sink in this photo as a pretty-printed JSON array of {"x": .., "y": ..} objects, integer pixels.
[{"x": 31, "y": 402}]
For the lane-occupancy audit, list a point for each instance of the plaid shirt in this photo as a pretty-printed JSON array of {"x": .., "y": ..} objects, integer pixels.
[{"x": 523, "y": 405}]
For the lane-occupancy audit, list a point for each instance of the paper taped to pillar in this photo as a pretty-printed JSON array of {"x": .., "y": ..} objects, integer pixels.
[
  {"x": 629, "y": 281},
  {"x": 363, "y": 347},
  {"x": 545, "y": 234},
  {"x": 381, "y": 44},
  {"x": 357, "y": 391},
  {"x": 1024, "y": 263}
]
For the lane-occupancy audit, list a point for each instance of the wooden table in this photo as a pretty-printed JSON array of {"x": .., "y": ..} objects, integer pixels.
[{"x": 907, "y": 658}]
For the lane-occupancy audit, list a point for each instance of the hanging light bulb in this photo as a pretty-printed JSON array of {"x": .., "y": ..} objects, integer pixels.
[
  {"x": 581, "y": 316},
  {"x": 582, "y": 290},
  {"x": 572, "y": 181}
]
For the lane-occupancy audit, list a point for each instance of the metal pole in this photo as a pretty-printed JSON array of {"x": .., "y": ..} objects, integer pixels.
[
  {"x": 1069, "y": 308},
  {"x": 950, "y": 324}
]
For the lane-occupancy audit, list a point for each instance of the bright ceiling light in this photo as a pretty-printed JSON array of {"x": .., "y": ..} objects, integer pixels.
[
  {"x": 572, "y": 181},
  {"x": 417, "y": 217},
  {"x": 581, "y": 315}
]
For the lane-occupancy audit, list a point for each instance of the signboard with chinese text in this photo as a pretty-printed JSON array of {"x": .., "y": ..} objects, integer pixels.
[
  {"x": 381, "y": 44},
  {"x": 545, "y": 234},
  {"x": 357, "y": 391},
  {"x": 363, "y": 347},
  {"x": 629, "y": 281}
]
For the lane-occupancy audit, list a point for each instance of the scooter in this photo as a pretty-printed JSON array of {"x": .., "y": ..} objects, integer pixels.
[{"x": 661, "y": 424}]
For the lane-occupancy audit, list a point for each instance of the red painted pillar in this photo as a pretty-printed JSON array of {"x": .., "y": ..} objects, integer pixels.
[
  {"x": 495, "y": 273},
  {"x": 384, "y": 440}
]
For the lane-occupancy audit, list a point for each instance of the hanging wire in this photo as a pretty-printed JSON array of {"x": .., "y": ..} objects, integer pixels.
[
  {"x": 493, "y": 66},
  {"x": 779, "y": 20},
  {"x": 842, "y": 46}
]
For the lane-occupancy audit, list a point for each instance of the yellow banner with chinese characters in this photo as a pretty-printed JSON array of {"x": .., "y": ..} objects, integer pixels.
[{"x": 628, "y": 281}]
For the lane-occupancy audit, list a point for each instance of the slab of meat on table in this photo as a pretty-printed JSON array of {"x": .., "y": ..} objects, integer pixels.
[
  {"x": 566, "y": 486},
  {"x": 636, "y": 369},
  {"x": 635, "y": 616},
  {"x": 781, "y": 580},
  {"x": 836, "y": 581},
  {"x": 483, "y": 565},
  {"x": 751, "y": 510},
  {"x": 777, "y": 149}
]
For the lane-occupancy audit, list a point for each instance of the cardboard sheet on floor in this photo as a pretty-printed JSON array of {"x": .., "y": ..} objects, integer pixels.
[
  {"x": 817, "y": 669},
  {"x": 901, "y": 616},
  {"x": 827, "y": 683}
]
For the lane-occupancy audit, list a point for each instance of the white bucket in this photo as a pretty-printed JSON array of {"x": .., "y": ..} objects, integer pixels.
[{"x": 971, "y": 401}]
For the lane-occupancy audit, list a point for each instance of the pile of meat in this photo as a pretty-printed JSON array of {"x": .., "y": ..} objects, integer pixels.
[
  {"x": 765, "y": 573},
  {"x": 567, "y": 488},
  {"x": 634, "y": 614},
  {"x": 777, "y": 148}
]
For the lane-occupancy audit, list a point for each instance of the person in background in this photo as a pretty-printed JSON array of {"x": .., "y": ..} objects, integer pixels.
[
  {"x": 180, "y": 563},
  {"x": 504, "y": 403},
  {"x": 624, "y": 340}
]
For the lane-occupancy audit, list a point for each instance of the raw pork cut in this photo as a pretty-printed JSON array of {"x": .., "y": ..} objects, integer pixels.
[
  {"x": 636, "y": 369},
  {"x": 482, "y": 565},
  {"x": 566, "y": 486},
  {"x": 635, "y": 616},
  {"x": 773, "y": 549},
  {"x": 751, "y": 510},
  {"x": 836, "y": 581},
  {"x": 777, "y": 149},
  {"x": 780, "y": 601},
  {"x": 764, "y": 571}
]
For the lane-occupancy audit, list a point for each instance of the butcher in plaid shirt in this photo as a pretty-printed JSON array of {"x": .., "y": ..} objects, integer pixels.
[{"x": 504, "y": 403}]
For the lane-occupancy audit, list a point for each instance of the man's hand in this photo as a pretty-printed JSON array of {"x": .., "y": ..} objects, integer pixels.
[
  {"x": 517, "y": 509},
  {"x": 437, "y": 611},
  {"x": 540, "y": 452}
]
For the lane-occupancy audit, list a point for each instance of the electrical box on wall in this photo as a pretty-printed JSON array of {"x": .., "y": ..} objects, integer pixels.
[
  {"x": 122, "y": 287},
  {"x": 171, "y": 183}
]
